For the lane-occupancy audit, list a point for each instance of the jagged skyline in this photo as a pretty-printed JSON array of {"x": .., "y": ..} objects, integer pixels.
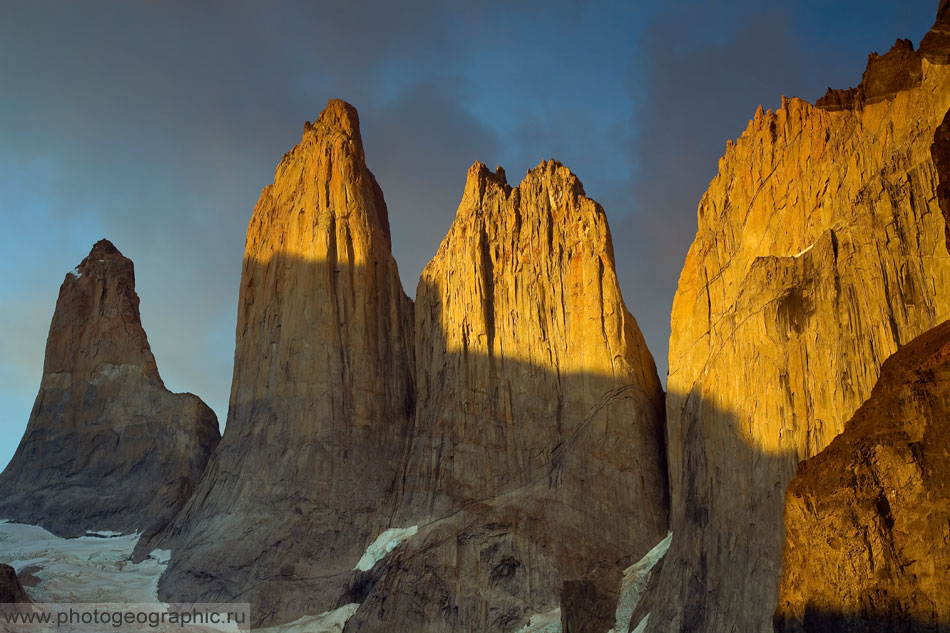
[{"x": 111, "y": 131}]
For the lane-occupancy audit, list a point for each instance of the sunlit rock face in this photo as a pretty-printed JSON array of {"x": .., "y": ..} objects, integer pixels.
[
  {"x": 867, "y": 518},
  {"x": 537, "y": 448},
  {"x": 321, "y": 396},
  {"x": 520, "y": 331},
  {"x": 107, "y": 447},
  {"x": 821, "y": 248}
]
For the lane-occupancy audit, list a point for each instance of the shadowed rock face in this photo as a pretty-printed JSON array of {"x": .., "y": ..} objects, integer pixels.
[
  {"x": 321, "y": 397},
  {"x": 866, "y": 519},
  {"x": 821, "y": 248},
  {"x": 537, "y": 450},
  {"x": 940, "y": 152},
  {"x": 107, "y": 447},
  {"x": 11, "y": 591}
]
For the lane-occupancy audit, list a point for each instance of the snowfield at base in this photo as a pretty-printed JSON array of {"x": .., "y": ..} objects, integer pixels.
[
  {"x": 634, "y": 583},
  {"x": 99, "y": 569},
  {"x": 548, "y": 622},
  {"x": 384, "y": 543},
  {"x": 85, "y": 569}
]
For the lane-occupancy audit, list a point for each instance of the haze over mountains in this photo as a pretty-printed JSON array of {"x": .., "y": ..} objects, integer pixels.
[{"x": 499, "y": 453}]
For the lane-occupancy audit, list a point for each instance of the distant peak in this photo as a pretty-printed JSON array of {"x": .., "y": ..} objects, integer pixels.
[
  {"x": 105, "y": 260},
  {"x": 340, "y": 115},
  {"x": 338, "y": 121},
  {"x": 553, "y": 171},
  {"x": 549, "y": 173},
  {"x": 480, "y": 179},
  {"x": 102, "y": 248}
]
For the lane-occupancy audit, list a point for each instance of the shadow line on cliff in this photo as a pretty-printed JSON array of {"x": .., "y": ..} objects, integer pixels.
[
  {"x": 829, "y": 621},
  {"x": 523, "y": 479},
  {"x": 709, "y": 603},
  {"x": 526, "y": 501}
]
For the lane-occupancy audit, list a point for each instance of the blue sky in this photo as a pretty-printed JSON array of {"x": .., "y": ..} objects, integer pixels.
[{"x": 156, "y": 124}]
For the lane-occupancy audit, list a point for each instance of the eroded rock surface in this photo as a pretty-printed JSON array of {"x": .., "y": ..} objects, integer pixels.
[
  {"x": 867, "y": 545},
  {"x": 537, "y": 449},
  {"x": 107, "y": 447},
  {"x": 321, "y": 397},
  {"x": 821, "y": 248}
]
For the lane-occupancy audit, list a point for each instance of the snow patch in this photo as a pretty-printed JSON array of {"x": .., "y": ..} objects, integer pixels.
[
  {"x": 804, "y": 251},
  {"x": 329, "y": 622},
  {"x": 643, "y": 624},
  {"x": 548, "y": 622},
  {"x": 104, "y": 534},
  {"x": 384, "y": 543},
  {"x": 634, "y": 583},
  {"x": 75, "y": 272},
  {"x": 162, "y": 556},
  {"x": 98, "y": 569},
  {"x": 89, "y": 569}
]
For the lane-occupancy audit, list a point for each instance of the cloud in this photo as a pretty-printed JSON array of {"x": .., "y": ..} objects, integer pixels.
[
  {"x": 704, "y": 69},
  {"x": 157, "y": 124}
]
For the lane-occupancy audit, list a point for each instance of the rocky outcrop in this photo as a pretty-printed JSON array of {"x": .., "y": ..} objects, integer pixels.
[
  {"x": 321, "y": 398},
  {"x": 821, "y": 248},
  {"x": 867, "y": 544},
  {"x": 886, "y": 75},
  {"x": 935, "y": 46},
  {"x": 900, "y": 69},
  {"x": 537, "y": 450},
  {"x": 107, "y": 447},
  {"x": 11, "y": 591}
]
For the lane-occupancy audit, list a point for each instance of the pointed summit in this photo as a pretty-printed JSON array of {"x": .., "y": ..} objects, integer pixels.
[
  {"x": 340, "y": 115},
  {"x": 97, "y": 317},
  {"x": 107, "y": 447},
  {"x": 538, "y": 418},
  {"x": 321, "y": 396}
]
